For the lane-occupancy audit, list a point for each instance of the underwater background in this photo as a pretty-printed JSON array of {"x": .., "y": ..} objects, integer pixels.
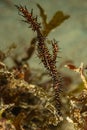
[{"x": 71, "y": 34}]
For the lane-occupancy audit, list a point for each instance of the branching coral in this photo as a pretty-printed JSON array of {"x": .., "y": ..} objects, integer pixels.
[{"x": 78, "y": 104}]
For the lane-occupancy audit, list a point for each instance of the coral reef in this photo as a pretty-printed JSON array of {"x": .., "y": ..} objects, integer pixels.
[{"x": 26, "y": 104}]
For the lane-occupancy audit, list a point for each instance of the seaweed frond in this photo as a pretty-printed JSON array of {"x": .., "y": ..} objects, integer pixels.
[{"x": 58, "y": 18}]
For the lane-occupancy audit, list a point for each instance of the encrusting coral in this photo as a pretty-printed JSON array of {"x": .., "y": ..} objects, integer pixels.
[{"x": 29, "y": 100}]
